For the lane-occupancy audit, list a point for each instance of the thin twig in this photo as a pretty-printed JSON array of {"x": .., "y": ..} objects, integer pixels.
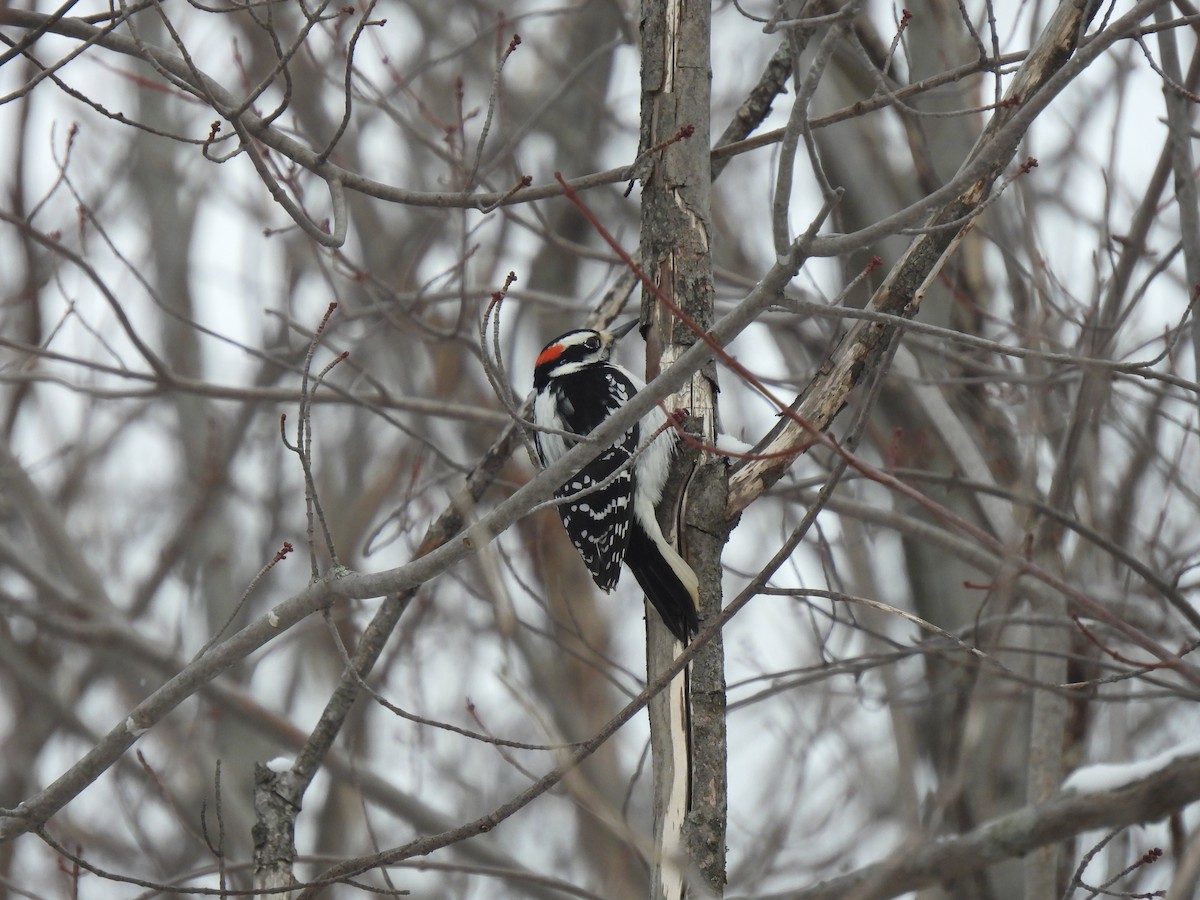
[
  {"x": 303, "y": 448},
  {"x": 493, "y": 97},
  {"x": 279, "y": 556}
]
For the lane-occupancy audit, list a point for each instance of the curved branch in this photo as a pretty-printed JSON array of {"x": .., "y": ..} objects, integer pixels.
[{"x": 912, "y": 868}]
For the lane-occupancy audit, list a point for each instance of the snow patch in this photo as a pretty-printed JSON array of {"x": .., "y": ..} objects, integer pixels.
[
  {"x": 729, "y": 445},
  {"x": 1104, "y": 777}
]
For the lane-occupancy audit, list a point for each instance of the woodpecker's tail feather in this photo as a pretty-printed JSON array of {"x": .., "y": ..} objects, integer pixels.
[{"x": 669, "y": 582}]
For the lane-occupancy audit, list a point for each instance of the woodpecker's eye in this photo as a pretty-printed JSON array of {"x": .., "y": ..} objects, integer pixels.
[{"x": 592, "y": 343}]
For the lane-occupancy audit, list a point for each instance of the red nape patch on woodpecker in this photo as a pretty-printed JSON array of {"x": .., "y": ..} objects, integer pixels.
[{"x": 550, "y": 354}]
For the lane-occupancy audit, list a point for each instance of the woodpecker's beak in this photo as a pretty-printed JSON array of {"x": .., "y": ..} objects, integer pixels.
[{"x": 621, "y": 330}]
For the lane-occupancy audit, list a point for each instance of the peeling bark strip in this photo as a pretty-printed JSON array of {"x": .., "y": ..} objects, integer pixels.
[
  {"x": 690, "y": 787},
  {"x": 902, "y": 291}
]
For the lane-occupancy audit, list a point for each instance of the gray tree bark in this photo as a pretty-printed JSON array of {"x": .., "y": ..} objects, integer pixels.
[{"x": 687, "y": 721}]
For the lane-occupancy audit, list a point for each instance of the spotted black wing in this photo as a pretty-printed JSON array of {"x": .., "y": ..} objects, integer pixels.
[{"x": 598, "y": 521}]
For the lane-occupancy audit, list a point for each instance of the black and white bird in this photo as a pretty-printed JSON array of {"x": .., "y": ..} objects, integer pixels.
[{"x": 578, "y": 387}]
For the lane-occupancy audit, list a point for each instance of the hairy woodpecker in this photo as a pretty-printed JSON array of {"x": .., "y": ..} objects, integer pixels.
[{"x": 578, "y": 387}]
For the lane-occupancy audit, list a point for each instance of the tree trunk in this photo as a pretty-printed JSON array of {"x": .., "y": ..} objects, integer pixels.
[{"x": 688, "y": 720}]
